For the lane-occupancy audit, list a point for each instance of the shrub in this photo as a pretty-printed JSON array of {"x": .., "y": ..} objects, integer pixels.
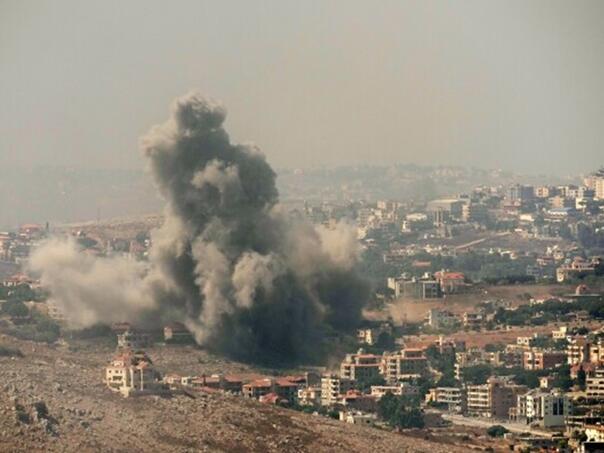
[{"x": 497, "y": 431}]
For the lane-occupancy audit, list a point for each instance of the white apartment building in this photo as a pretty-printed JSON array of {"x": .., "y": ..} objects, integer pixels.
[
  {"x": 402, "y": 389},
  {"x": 132, "y": 374},
  {"x": 453, "y": 397},
  {"x": 594, "y": 385},
  {"x": 548, "y": 408},
  {"x": 332, "y": 386}
]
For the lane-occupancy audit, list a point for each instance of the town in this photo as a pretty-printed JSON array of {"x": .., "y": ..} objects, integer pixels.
[{"x": 486, "y": 314}]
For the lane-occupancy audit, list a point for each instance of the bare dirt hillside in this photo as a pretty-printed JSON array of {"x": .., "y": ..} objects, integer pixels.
[{"x": 53, "y": 399}]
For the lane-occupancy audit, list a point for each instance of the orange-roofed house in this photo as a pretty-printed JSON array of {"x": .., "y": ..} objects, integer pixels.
[{"x": 451, "y": 282}]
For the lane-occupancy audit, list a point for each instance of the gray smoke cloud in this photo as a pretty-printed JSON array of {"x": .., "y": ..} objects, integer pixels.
[{"x": 244, "y": 277}]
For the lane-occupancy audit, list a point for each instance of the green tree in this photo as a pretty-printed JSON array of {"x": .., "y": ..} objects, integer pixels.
[
  {"x": 15, "y": 308},
  {"x": 397, "y": 412},
  {"x": 497, "y": 431},
  {"x": 581, "y": 378},
  {"x": 477, "y": 374},
  {"x": 562, "y": 379}
]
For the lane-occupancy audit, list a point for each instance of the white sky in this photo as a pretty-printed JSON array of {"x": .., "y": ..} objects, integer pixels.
[{"x": 513, "y": 84}]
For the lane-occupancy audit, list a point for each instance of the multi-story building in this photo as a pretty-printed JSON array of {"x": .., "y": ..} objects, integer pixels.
[
  {"x": 548, "y": 408},
  {"x": 577, "y": 351},
  {"x": 578, "y": 267},
  {"x": 438, "y": 319},
  {"x": 596, "y": 353},
  {"x": 133, "y": 339},
  {"x": 453, "y": 207},
  {"x": 405, "y": 364},
  {"x": 454, "y": 397},
  {"x": 493, "y": 399},
  {"x": 132, "y": 373},
  {"x": 281, "y": 387},
  {"x": 468, "y": 358},
  {"x": 309, "y": 396},
  {"x": 451, "y": 282},
  {"x": 475, "y": 212},
  {"x": 473, "y": 320},
  {"x": 594, "y": 385},
  {"x": 520, "y": 193},
  {"x": 332, "y": 386},
  {"x": 543, "y": 360},
  {"x": 424, "y": 288},
  {"x": 479, "y": 400},
  {"x": 360, "y": 366}
]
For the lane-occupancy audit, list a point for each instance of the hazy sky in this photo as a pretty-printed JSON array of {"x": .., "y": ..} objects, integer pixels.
[{"x": 513, "y": 84}]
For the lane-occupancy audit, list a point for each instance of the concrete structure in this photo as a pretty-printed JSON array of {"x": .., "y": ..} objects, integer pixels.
[
  {"x": 493, "y": 399},
  {"x": 332, "y": 386},
  {"x": 473, "y": 320},
  {"x": 360, "y": 366},
  {"x": 401, "y": 389},
  {"x": 309, "y": 396},
  {"x": 405, "y": 364},
  {"x": 549, "y": 409},
  {"x": 176, "y": 332},
  {"x": 543, "y": 360},
  {"x": 358, "y": 418},
  {"x": 594, "y": 385},
  {"x": 283, "y": 388},
  {"x": 132, "y": 373},
  {"x": 133, "y": 339},
  {"x": 438, "y": 319},
  {"x": 577, "y": 351},
  {"x": 578, "y": 267},
  {"x": 424, "y": 288},
  {"x": 454, "y": 397},
  {"x": 451, "y": 282},
  {"x": 452, "y": 206}
]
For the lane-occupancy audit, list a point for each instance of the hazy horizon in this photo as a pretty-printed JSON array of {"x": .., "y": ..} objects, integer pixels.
[{"x": 499, "y": 84}]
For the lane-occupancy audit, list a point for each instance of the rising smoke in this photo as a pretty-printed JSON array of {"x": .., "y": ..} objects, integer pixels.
[{"x": 246, "y": 279}]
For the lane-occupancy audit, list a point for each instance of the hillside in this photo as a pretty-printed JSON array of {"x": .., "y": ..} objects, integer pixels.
[{"x": 83, "y": 416}]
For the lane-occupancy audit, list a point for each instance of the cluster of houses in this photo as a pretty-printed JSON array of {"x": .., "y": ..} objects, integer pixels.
[
  {"x": 15, "y": 246},
  {"x": 363, "y": 378}
]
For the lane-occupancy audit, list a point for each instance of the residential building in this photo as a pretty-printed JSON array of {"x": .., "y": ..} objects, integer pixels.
[
  {"x": 549, "y": 409},
  {"x": 176, "y": 332},
  {"x": 360, "y": 366},
  {"x": 594, "y": 385},
  {"x": 309, "y": 396},
  {"x": 542, "y": 360},
  {"x": 577, "y": 351},
  {"x": 132, "y": 373},
  {"x": 404, "y": 364},
  {"x": 453, "y": 207},
  {"x": 596, "y": 353},
  {"x": 578, "y": 267},
  {"x": 283, "y": 388},
  {"x": 451, "y": 282},
  {"x": 438, "y": 319},
  {"x": 473, "y": 320},
  {"x": 561, "y": 333},
  {"x": 133, "y": 339},
  {"x": 594, "y": 433},
  {"x": 332, "y": 386},
  {"x": 358, "y": 418},
  {"x": 400, "y": 389},
  {"x": 454, "y": 397},
  {"x": 424, "y": 288},
  {"x": 493, "y": 399}
]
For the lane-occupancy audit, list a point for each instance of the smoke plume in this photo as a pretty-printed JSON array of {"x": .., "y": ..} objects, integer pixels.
[{"x": 245, "y": 278}]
